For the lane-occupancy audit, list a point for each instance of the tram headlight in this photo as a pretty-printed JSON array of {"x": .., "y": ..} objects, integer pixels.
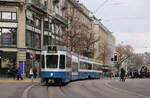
[{"x": 51, "y": 74}]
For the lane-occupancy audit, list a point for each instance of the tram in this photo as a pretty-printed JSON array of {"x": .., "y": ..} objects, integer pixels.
[{"x": 61, "y": 66}]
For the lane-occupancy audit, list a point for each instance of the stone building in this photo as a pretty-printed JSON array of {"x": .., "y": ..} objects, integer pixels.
[
  {"x": 81, "y": 22},
  {"x": 105, "y": 47},
  {"x": 29, "y": 26},
  {"x": 21, "y": 31}
]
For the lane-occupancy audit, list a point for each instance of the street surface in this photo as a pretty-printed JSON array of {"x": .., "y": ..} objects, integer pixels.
[
  {"x": 12, "y": 89},
  {"x": 102, "y": 88}
]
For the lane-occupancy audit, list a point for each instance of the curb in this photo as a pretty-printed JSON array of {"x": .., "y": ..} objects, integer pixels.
[{"x": 20, "y": 81}]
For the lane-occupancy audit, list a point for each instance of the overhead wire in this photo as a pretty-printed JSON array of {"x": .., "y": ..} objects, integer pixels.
[{"x": 100, "y": 6}]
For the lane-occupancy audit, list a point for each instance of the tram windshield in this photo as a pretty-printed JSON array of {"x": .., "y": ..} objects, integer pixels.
[{"x": 52, "y": 61}]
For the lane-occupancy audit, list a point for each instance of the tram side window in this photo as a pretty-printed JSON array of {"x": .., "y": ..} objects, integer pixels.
[
  {"x": 89, "y": 66},
  {"x": 68, "y": 62},
  {"x": 83, "y": 65},
  {"x": 96, "y": 67},
  {"x": 43, "y": 62},
  {"x": 62, "y": 62},
  {"x": 74, "y": 67},
  {"x": 52, "y": 61}
]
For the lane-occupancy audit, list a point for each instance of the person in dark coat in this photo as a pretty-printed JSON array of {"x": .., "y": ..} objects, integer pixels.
[
  {"x": 14, "y": 71},
  {"x": 122, "y": 74},
  {"x": 34, "y": 72}
]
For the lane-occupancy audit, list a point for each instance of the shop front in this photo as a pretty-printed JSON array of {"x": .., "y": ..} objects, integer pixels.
[{"x": 7, "y": 61}]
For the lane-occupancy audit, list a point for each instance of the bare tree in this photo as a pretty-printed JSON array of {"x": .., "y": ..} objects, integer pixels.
[
  {"x": 78, "y": 36},
  {"x": 103, "y": 49},
  {"x": 124, "y": 53},
  {"x": 72, "y": 31},
  {"x": 88, "y": 44},
  {"x": 135, "y": 62}
]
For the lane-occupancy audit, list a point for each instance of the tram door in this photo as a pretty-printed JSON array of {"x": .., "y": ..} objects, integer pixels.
[{"x": 74, "y": 65}]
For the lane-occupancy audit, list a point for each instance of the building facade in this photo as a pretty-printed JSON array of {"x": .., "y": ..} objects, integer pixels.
[
  {"x": 29, "y": 26},
  {"x": 105, "y": 46},
  {"x": 21, "y": 31}
]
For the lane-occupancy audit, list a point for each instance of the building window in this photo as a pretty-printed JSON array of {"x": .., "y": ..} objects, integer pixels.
[
  {"x": 28, "y": 39},
  {"x": 56, "y": 29},
  {"x": 47, "y": 40},
  {"x": 0, "y": 15},
  {"x": 8, "y": 16},
  {"x": 8, "y": 37},
  {"x": 46, "y": 26},
  {"x": 53, "y": 26},
  {"x": 33, "y": 40},
  {"x": 36, "y": 22},
  {"x": 14, "y": 16},
  {"x": 45, "y": 2},
  {"x": 36, "y": 41},
  {"x": 57, "y": 9}
]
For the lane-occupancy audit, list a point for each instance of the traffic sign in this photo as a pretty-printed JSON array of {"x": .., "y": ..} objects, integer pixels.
[{"x": 32, "y": 56}]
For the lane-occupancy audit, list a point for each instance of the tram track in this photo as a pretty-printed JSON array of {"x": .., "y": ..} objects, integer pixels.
[
  {"x": 27, "y": 91},
  {"x": 49, "y": 93},
  {"x": 95, "y": 90},
  {"x": 52, "y": 89},
  {"x": 64, "y": 93},
  {"x": 60, "y": 91}
]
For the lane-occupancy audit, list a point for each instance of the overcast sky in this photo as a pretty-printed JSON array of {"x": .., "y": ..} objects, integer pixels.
[{"x": 128, "y": 19}]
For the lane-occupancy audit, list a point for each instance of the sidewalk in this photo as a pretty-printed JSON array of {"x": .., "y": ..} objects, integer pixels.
[{"x": 37, "y": 80}]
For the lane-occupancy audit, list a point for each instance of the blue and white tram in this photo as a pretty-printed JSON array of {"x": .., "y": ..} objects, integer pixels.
[
  {"x": 85, "y": 68},
  {"x": 89, "y": 69},
  {"x": 60, "y": 66},
  {"x": 56, "y": 67},
  {"x": 75, "y": 67},
  {"x": 97, "y": 70}
]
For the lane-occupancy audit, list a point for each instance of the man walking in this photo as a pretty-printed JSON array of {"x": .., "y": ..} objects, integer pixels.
[
  {"x": 122, "y": 75},
  {"x": 19, "y": 74}
]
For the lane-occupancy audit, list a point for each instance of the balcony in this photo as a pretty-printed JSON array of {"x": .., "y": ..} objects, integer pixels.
[
  {"x": 62, "y": 19},
  {"x": 37, "y": 3}
]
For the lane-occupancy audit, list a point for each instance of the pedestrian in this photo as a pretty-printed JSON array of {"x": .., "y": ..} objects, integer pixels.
[
  {"x": 37, "y": 67},
  {"x": 14, "y": 71},
  {"x": 31, "y": 73},
  {"x": 19, "y": 72},
  {"x": 107, "y": 74},
  {"x": 122, "y": 75},
  {"x": 34, "y": 72}
]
